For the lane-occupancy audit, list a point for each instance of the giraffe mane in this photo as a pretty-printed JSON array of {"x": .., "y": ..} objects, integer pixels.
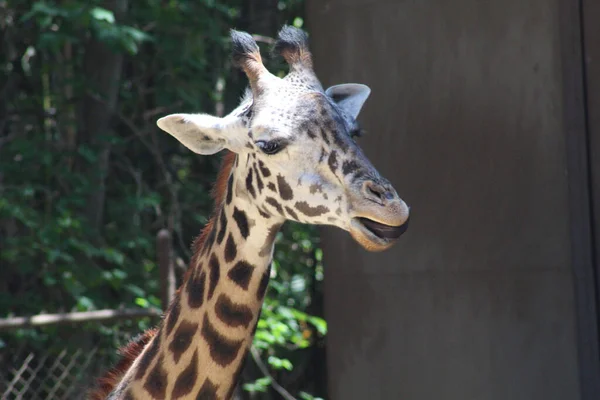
[
  {"x": 129, "y": 352},
  {"x": 106, "y": 383},
  {"x": 218, "y": 194}
]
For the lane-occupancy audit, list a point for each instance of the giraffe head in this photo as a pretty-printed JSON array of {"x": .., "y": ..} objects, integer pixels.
[{"x": 296, "y": 154}]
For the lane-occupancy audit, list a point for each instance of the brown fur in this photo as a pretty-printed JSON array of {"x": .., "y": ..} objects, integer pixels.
[
  {"x": 299, "y": 55},
  {"x": 218, "y": 195},
  {"x": 106, "y": 384},
  {"x": 253, "y": 66}
]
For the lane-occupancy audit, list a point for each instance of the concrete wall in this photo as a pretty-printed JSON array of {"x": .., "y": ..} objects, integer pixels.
[{"x": 467, "y": 119}]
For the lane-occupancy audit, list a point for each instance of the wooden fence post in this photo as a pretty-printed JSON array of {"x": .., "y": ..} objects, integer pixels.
[{"x": 165, "y": 265}]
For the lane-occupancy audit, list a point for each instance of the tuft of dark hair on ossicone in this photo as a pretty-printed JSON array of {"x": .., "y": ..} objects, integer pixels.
[
  {"x": 292, "y": 44},
  {"x": 244, "y": 47}
]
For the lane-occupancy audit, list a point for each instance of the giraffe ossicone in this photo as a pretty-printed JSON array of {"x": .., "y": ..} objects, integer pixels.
[{"x": 291, "y": 155}]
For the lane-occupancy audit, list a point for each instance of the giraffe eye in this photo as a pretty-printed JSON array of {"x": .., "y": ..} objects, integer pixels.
[{"x": 270, "y": 147}]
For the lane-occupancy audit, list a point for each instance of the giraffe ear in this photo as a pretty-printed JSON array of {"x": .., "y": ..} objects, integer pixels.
[
  {"x": 350, "y": 97},
  {"x": 203, "y": 133}
]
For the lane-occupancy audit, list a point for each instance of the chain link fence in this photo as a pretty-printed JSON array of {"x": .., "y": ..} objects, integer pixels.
[
  {"x": 40, "y": 376},
  {"x": 65, "y": 367}
]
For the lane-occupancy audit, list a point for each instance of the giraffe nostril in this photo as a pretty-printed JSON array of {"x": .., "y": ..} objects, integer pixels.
[
  {"x": 377, "y": 192},
  {"x": 374, "y": 192}
]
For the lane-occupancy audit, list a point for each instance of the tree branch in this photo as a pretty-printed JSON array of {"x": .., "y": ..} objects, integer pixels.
[
  {"x": 85, "y": 316},
  {"x": 263, "y": 368}
]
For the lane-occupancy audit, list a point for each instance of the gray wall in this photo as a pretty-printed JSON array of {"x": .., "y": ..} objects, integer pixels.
[{"x": 467, "y": 118}]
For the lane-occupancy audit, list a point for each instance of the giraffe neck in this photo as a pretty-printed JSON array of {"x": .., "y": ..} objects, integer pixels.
[{"x": 199, "y": 351}]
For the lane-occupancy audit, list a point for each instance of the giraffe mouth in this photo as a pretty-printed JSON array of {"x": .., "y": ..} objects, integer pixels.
[
  {"x": 383, "y": 231},
  {"x": 373, "y": 235}
]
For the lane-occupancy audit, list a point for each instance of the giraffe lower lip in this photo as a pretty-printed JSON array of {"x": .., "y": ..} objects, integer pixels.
[{"x": 381, "y": 230}]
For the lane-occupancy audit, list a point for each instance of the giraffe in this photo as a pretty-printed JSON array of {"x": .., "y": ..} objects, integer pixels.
[{"x": 290, "y": 155}]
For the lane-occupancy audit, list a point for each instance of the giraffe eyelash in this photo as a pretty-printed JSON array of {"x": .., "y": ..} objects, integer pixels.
[{"x": 271, "y": 147}]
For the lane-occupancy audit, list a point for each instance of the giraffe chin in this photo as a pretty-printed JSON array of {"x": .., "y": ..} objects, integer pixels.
[{"x": 374, "y": 236}]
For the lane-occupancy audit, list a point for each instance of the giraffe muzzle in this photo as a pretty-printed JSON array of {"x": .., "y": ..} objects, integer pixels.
[
  {"x": 379, "y": 215},
  {"x": 375, "y": 236}
]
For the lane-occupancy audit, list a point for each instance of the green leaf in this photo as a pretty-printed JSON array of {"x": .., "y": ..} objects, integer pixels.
[
  {"x": 286, "y": 312},
  {"x": 113, "y": 256},
  {"x": 319, "y": 254},
  {"x": 102, "y": 14},
  {"x": 88, "y": 154},
  {"x": 280, "y": 363},
  {"x": 136, "y": 34},
  {"x": 142, "y": 302},
  {"x": 130, "y": 45},
  {"x": 49, "y": 280},
  {"x": 43, "y": 8},
  {"x": 307, "y": 396},
  {"x": 320, "y": 324},
  {"x": 259, "y": 385},
  {"x": 135, "y": 290},
  {"x": 84, "y": 303},
  {"x": 119, "y": 274},
  {"x": 265, "y": 336}
]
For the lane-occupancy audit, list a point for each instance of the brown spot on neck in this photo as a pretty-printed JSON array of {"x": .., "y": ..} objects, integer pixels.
[
  {"x": 182, "y": 339},
  {"x": 264, "y": 282},
  {"x": 186, "y": 380},
  {"x": 241, "y": 273},
  {"x": 233, "y": 314},
  {"x": 222, "y": 350},
  {"x": 266, "y": 249},
  {"x": 156, "y": 382},
  {"x": 208, "y": 391}
]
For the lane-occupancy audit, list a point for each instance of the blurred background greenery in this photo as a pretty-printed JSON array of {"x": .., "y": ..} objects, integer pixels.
[{"x": 87, "y": 179}]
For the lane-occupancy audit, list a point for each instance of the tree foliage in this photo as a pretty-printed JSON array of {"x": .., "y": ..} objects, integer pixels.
[{"x": 87, "y": 179}]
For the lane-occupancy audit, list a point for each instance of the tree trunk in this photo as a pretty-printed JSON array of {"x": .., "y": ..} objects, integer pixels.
[{"x": 103, "y": 72}]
